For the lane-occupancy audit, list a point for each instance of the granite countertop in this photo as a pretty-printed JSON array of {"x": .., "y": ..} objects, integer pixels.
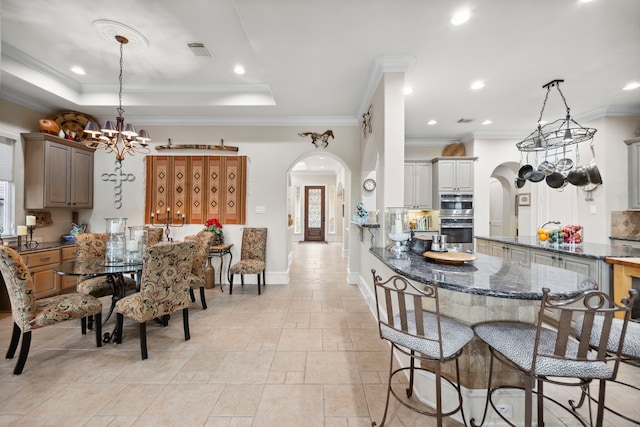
[
  {"x": 44, "y": 246},
  {"x": 587, "y": 250},
  {"x": 489, "y": 276}
]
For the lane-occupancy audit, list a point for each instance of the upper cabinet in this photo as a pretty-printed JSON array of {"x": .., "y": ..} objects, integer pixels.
[
  {"x": 59, "y": 173},
  {"x": 453, "y": 174},
  {"x": 418, "y": 185},
  {"x": 633, "y": 145}
]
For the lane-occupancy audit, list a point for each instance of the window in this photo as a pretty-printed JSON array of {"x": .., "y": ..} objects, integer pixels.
[{"x": 6, "y": 185}]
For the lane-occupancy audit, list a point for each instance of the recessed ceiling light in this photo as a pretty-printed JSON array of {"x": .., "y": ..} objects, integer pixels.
[
  {"x": 239, "y": 69},
  {"x": 78, "y": 70},
  {"x": 460, "y": 17},
  {"x": 408, "y": 90},
  {"x": 487, "y": 122},
  {"x": 478, "y": 84},
  {"x": 432, "y": 122},
  {"x": 631, "y": 86},
  {"x": 585, "y": 1}
]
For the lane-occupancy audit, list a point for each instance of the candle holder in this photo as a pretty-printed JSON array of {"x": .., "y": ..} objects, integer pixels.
[
  {"x": 168, "y": 222},
  {"x": 30, "y": 243}
]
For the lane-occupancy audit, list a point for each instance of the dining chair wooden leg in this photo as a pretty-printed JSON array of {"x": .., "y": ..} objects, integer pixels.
[
  {"x": 203, "y": 300},
  {"x": 119, "y": 324},
  {"x": 192, "y": 295},
  {"x": 242, "y": 279},
  {"x": 15, "y": 339},
  {"x": 83, "y": 325},
  {"x": 24, "y": 352},
  {"x": 143, "y": 340},
  {"x": 185, "y": 321},
  {"x": 258, "y": 283},
  {"x": 231, "y": 283},
  {"x": 98, "y": 329}
]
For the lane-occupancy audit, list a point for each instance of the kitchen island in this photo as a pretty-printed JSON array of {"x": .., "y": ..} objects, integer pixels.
[
  {"x": 486, "y": 289},
  {"x": 588, "y": 258}
]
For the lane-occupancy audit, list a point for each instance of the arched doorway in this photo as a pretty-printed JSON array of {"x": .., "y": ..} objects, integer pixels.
[
  {"x": 329, "y": 175},
  {"x": 503, "y": 219}
]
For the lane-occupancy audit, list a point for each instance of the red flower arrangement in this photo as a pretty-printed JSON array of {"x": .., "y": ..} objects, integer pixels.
[{"x": 213, "y": 225}]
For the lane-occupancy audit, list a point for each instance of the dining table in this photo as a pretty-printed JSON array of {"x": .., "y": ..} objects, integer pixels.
[{"x": 114, "y": 274}]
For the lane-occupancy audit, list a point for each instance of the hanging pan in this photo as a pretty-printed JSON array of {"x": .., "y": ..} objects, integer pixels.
[
  {"x": 555, "y": 180},
  {"x": 565, "y": 163},
  {"x": 536, "y": 176},
  {"x": 592, "y": 169},
  {"x": 525, "y": 170},
  {"x": 520, "y": 182}
]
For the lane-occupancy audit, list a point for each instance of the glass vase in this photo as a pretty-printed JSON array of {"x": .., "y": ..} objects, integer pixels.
[
  {"x": 398, "y": 229},
  {"x": 116, "y": 246}
]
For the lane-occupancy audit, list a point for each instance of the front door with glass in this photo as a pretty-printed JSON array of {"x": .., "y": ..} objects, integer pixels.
[{"x": 314, "y": 213}]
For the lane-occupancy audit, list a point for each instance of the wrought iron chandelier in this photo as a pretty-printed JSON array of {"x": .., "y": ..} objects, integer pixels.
[
  {"x": 557, "y": 134},
  {"x": 117, "y": 137}
]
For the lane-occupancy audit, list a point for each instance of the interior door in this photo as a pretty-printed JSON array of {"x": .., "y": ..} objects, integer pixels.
[
  {"x": 495, "y": 209},
  {"x": 314, "y": 213}
]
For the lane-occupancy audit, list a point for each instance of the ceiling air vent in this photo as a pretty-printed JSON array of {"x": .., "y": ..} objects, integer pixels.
[
  {"x": 463, "y": 120},
  {"x": 199, "y": 49}
]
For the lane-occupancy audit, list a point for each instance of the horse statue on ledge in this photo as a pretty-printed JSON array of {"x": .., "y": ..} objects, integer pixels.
[{"x": 317, "y": 138}]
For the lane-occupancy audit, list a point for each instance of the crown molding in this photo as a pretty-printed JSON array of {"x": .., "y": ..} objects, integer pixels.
[{"x": 382, "y": 64}]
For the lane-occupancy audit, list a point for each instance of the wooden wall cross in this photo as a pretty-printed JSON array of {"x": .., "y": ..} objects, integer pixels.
[{"x": 118, "y": 177}]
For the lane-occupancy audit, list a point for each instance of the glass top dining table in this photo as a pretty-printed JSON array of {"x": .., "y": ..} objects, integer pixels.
[{"x": 114, "y": 275}]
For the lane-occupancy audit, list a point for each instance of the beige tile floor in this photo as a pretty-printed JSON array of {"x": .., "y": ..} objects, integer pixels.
[{"x": 305, "y": 354}]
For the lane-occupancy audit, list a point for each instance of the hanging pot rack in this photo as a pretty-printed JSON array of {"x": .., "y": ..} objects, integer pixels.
[{"x": 557, "y": 134}]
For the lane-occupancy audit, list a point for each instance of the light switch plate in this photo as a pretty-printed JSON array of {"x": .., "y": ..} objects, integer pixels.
[{"x": 260, "y": 209}]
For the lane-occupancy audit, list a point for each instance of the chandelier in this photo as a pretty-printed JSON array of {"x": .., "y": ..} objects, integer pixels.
[
  {"x": 560, "y": 133},
  {"x": 117, "y": 137}
]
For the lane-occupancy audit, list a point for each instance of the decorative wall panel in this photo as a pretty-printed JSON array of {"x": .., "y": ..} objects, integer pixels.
[{"x": 201, "y": 187}]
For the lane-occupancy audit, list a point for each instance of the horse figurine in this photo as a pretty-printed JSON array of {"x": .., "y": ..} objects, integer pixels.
[{"x": 317, "y": 138}]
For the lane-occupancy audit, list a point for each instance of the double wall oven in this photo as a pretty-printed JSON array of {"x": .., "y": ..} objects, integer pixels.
[{"x": 456, "y": 219}]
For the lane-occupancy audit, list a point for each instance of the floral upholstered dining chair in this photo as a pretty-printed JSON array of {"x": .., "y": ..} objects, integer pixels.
[
  {"x": 203, "y": 240},
  {"x": 154, "y": 235},
  {"x": 253, "y": 256},
  {"x": 91, "y": 246},
  {"x": 164, "y": 289},
  {"x": 30, "y": 313}
]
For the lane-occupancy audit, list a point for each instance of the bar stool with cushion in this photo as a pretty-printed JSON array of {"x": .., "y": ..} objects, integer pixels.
[
  {"x": 30, "y": 313},
  {"x": 541, "y": 354},
  {"x": 630, "y": 349},
  {"x": 203, "y": 240},
  {"x": 164, "y": 289},
  {"x": 428, "y": 337},
  {"x": 252, "y": 256}
]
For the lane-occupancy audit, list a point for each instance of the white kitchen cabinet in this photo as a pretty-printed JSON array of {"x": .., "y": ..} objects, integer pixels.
[
  {"x": 505, "y": 251},
  {"x": 418, "y": 185},
  {"x": 453, "y": 175},
  {"x": 633, "y": 147}
]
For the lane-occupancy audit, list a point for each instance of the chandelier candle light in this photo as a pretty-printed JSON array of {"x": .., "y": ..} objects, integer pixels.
[
  {"x": 168, "y": 221},
  {"x": 117, "y": 137}
]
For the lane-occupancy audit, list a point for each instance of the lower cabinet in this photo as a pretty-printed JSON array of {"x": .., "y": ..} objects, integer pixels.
[
  {"x": 67, "y": 283},
  {"x": 41, "y": 266},
  {"x": 502, "y": 250}
]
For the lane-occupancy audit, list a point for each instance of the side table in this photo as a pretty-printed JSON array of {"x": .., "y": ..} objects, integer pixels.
[{"x": 220, "y": 251}]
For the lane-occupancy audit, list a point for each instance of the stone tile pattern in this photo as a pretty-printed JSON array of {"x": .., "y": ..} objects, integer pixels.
[{"x": 625, "y": 224}]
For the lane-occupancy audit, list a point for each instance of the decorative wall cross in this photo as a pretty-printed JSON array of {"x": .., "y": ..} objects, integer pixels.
[{"x": 117, "y": 177}]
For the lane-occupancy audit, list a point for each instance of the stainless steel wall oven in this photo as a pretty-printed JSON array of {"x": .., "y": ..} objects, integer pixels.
[{"x": 456, "y": 219}]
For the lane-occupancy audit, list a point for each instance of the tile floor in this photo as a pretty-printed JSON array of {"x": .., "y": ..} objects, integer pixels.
[{"x": 305, "y": 354}]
